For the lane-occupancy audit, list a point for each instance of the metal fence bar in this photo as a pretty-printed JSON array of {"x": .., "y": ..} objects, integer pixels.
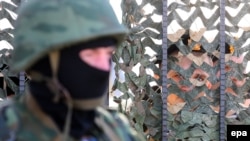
[
  {"x": 222, "y": 71},
  {"x": 164, "y": 70}
]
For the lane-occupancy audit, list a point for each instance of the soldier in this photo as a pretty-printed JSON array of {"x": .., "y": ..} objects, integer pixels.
[{"x": 65, "y": 47}]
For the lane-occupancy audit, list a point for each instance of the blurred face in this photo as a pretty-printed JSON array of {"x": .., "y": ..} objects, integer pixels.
[{"x": 98, "y": 58}]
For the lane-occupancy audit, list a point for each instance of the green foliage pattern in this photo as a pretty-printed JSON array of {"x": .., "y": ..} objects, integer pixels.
[
  {"x": 7, "y": 16},
  {"x": 132, "y": 58}
]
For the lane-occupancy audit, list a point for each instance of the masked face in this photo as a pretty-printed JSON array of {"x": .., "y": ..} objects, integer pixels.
[{"x": 84, "y": 69}]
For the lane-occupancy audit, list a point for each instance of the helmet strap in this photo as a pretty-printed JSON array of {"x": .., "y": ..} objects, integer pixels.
[
  {"x": 60, "y": 91},
  {"x": 54, "y": 62}
]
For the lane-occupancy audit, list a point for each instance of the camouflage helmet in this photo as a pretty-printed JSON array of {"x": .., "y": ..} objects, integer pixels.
[{"x": 48, "y": 25}]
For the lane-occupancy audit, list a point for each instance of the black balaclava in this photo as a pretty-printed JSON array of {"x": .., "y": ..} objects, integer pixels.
[{"x": 81, "y": 80}]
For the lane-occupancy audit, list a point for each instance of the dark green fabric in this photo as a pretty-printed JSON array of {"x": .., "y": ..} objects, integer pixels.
[
  {"x": 30, "y": 128},
  {"x": 4, "y": 134}
]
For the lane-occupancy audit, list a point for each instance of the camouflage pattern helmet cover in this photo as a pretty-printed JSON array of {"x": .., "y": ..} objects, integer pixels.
[{"x": 47, "y": 25}]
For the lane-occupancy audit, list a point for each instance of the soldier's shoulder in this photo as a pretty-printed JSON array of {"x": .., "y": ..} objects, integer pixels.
[
  {"x": 5, "y": 105},
  {"x": 119, "y": 123},
  {"x": 8, "y": 120}
]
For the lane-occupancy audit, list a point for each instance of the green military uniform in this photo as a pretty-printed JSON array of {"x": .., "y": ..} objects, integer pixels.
[
  {"x": 17, "y": 124},
  {"x": 44, "y": 28}
]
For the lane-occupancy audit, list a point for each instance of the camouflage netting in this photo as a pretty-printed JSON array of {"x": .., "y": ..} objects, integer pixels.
[
  {"x": 7, "y": 17},
  {"x": 193, "y": 70},
  {"x": 237, "y": 62},
  {"x": 137, "y": 67}
]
